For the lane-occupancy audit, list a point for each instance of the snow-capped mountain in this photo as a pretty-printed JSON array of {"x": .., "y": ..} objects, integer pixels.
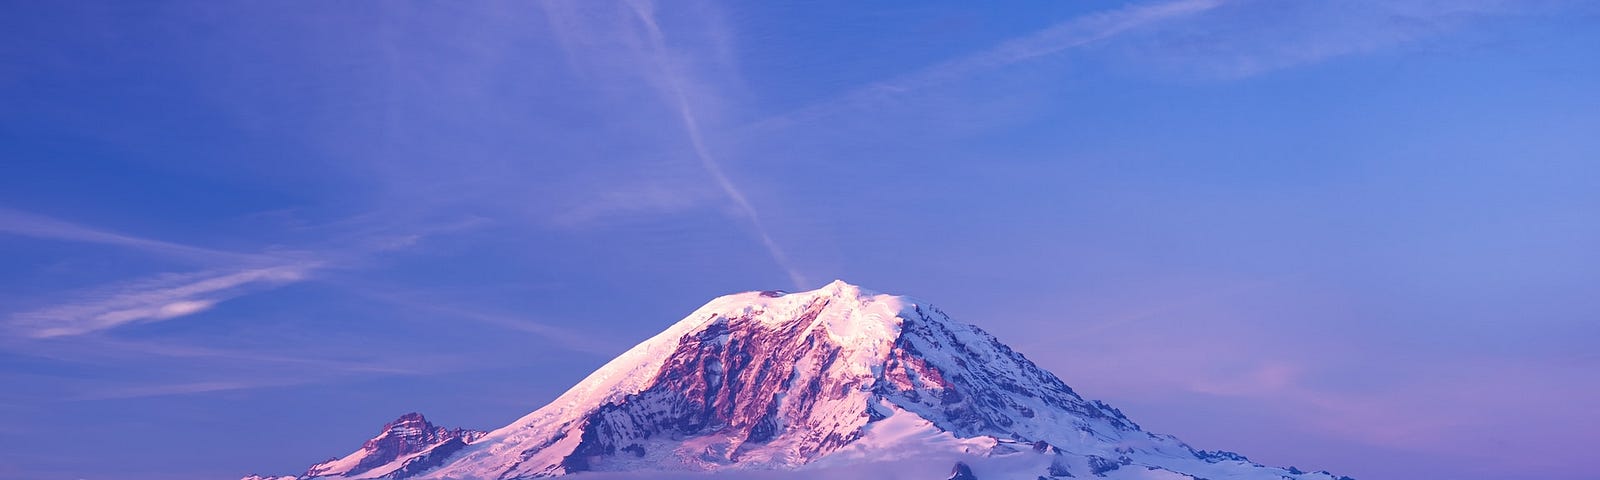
[
  {"x": 832, "y": 377},
  {"x": 405, "y": 447}
]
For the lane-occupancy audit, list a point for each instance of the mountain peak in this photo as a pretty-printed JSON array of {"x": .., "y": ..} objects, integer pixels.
[
  {"x": 842, "y": 288},
  {"x": 771, "y": 379},
  {"x": 412, "y": 418},
  {"x": 849, "y": 314},
  {"x": 401, "y": 441},
  {"x": 836, "y": 289}
]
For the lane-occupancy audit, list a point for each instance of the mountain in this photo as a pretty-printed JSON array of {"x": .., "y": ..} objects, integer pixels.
[
  {"x": 830, "y": 378},
  {"x": 405, "y": 447}
]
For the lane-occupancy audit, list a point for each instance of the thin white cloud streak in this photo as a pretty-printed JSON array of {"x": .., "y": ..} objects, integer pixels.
[
  {"x": 1319, "y": 396},
  {"x": 226, "y": 275},
  {"x": 1420, "y": 416},
  {"x": 313, "y": 371},
  {"x": 563, "y": 337},
  {"x": 108, "y": 350},
  {"x": 162, "y": 298},
  {"x": 159, "y": 298},
  {"x": 228, "y": 368},
  {"x": 566, "y": 338},
  {"x": 1064, "y": 36},
  {"x": 1223, "y": 39},
  {"x": 678, "y": 98},
  {"x": 26, "y": 224},
  {"x": 1255, "y": 37},
  {"x": 187, "y": 388},
  {"x": 630, "y": 200},
  {"x": 239, "y": 382}
]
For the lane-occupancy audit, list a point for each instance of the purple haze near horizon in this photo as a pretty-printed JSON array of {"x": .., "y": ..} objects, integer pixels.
[{"x": 1353, "y": 236}]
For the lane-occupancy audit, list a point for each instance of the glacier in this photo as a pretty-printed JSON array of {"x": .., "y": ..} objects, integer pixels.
[{"x": 838, "y": 380}]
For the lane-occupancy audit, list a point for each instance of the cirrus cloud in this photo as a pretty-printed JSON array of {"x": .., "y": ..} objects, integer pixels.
[{"x": 162, "y": 298}]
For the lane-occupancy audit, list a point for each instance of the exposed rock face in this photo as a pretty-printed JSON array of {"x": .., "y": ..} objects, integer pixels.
[
  {"x": 764, "y": 380},
  {"x": 780, "y": 380},
  {"x": 741, "y": 379},
  {"x": 961, "y": 472},
  {"x": 404, "y": 441},
  {"x": 804, "y": 376}
]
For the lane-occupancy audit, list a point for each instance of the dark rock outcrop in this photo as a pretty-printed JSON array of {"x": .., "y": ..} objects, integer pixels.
[
  {"x": 962, "y": 472},
  {"x": 405, "y": 436}
]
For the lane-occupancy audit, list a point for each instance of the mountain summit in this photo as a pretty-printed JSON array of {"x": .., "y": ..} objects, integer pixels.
[{"x": 837, "y": 376}]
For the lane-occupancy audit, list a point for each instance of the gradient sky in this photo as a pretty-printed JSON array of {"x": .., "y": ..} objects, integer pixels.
[{"x": 240, "y": 236}]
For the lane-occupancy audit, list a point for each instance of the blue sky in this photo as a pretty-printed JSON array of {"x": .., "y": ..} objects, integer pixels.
[{"x": 239, "y": 237}]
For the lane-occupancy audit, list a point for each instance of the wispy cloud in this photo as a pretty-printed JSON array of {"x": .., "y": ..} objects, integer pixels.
[
  {"x": 631, "y": 200},
  {"x": 1317, "y": 388},
  {"x": 1216, "y": 39},
  {"x": 674, "y": 85},
  {"x": 658, "y": 64},
  {"x": 562, "y": 337},
  {"x": 105, "y": 350},
  {"x": 224, "y": 276},
  {"x": 16, "y": 222},
  {"x": 585, "y": 342},
  {"x": 162, "y": 298},
  {"x": 1064, "y": 36},
  {"x": 311, "y": 371},
  {"x": 1252, "y": 37},
  {"x": 78, "y": 327},
  {"x": 186, "y": 388},
  {"x": 1421, "y": 415}
]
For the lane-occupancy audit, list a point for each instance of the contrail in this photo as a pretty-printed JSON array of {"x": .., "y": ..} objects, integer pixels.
[
  {"x": 1067, "y": 35},
  {"x": 1075, "y": 33},
  {"x": 691, "y": 126}
]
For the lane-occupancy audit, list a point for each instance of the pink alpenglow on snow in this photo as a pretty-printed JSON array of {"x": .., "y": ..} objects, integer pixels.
[{"x": 838, "y": 381}]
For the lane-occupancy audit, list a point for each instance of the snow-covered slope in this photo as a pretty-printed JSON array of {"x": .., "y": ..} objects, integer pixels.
[
  {"x": 818, "y": 379},
  {"x": 408, "y": 445}
]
